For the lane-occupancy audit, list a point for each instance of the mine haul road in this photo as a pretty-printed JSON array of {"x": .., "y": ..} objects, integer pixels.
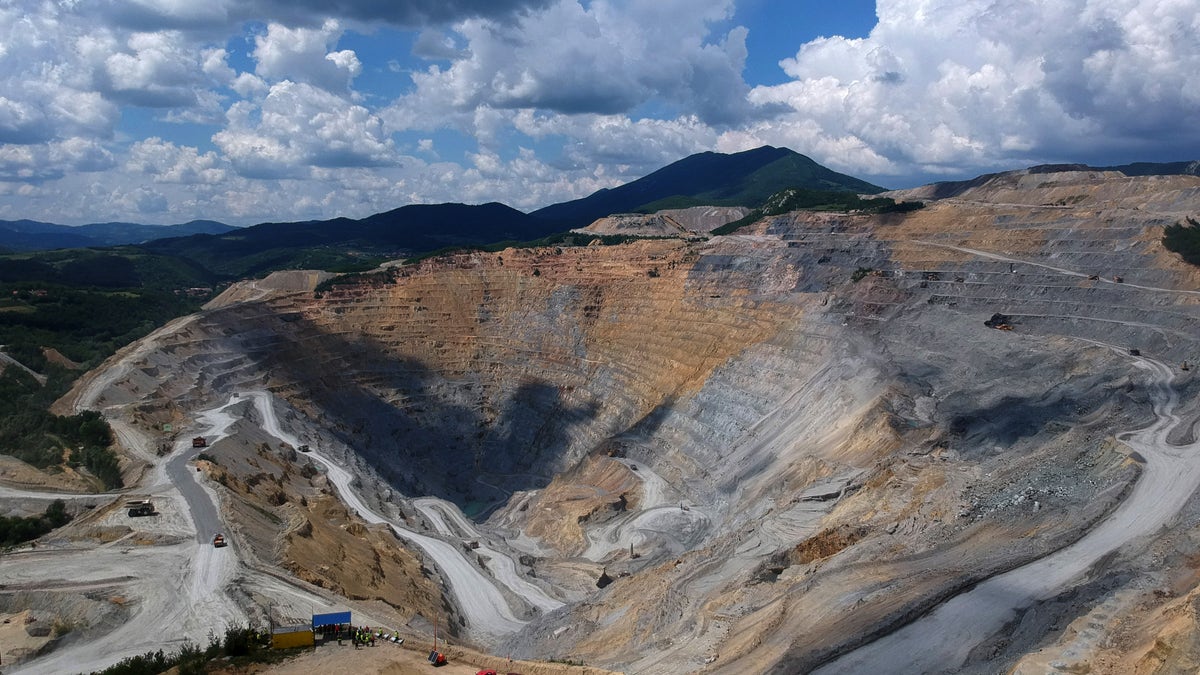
[
  {"x": 943, "y": 639},
  {"x": 179, "y": 588},
  {"x": 177, "y": 591},
  {"x": 489, "y": 616},
  {"x": 500, "y": 565}
]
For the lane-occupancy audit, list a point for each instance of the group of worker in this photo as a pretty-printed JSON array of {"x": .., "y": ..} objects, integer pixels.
[
  {"x": 360, "y": 635},
  {"x": 334, "y": 631},
  {"x": 364, "y": 636},
  {"x": 385, "y": 636}
]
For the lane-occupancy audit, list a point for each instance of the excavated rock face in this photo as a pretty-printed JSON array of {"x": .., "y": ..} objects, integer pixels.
[
  {"x": 806, "y": 431},
  {"x": 706, "y": 218},
  {"x": 473, "y": 377},
  {"x": 667, "y": 223},
  {"x": 636, "y": 224}
]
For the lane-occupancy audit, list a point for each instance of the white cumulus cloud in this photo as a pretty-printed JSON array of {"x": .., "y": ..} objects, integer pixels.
[
  {"x": 947, "y": 85},
  {"x": 296, "y": 110},
  {"x": 155, "y": 70},
  {"x": 604, "y": 58},
  {"x": 216, "y": 15},
  {"x": 46, "y": 91},
  {"x": 168, "y": 163},
  {"x": 34, "y": 163},
  {"x": 304, "y": 55},
  {"x": 298, "y": 126}
]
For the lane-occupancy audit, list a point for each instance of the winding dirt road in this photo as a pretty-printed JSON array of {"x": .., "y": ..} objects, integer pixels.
[
  {"x": 499, "y": 564},
  {"x": 488, "y": 613}
]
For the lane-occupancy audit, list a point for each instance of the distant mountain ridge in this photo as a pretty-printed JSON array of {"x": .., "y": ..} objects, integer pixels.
[
  {"x": 412, "y": 228},
  {"x": 33, "y": 235},
  {"x": 744, "y": 179},
  {"x": 708, "y": 179}
]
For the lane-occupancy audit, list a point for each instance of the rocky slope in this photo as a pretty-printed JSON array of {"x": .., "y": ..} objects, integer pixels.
[{"x": 777, "y": 445}]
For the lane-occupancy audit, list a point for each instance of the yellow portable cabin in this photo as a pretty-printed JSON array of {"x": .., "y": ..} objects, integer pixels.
[{"x": 290, "y": 637}]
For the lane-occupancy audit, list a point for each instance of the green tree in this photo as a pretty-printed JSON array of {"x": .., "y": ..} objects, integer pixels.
[
  {"x": 1184, "y": 239},
  {"x": 56, "y": 514}
]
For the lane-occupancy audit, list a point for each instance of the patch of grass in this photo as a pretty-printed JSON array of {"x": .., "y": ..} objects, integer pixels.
[
  {"x": 61, "y": 627},
  {"x": 796, "y": 199},
  {"x": 730, "y": 228}
]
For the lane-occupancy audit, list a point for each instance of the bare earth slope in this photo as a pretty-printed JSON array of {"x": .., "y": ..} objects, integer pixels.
[{"x": 780, "y": 447}]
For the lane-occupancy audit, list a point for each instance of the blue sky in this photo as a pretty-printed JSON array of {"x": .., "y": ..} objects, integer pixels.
[{"x": 252, "y": 110}]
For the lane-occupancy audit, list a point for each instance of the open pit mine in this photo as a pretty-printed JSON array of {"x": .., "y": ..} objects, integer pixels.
[{"x": 960, "y": 439}]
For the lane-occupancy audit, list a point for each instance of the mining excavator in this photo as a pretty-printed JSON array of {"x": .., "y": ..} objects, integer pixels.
[
  {"x": 999, "y": 322},
  {"x": 143, "y": 507}
]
